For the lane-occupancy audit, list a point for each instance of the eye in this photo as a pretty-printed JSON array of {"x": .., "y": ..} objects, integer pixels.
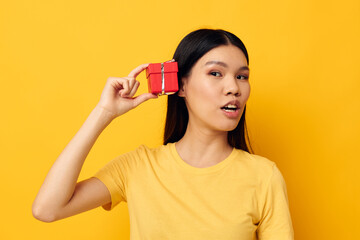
[
  {"x": 242, "y": 77},
  {"x": 216, "y": 74}
]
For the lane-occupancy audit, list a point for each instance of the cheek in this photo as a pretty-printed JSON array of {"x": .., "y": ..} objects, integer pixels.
[
  {"x": 202, "y": 95},
  {"x": 246, "y": 91},
  {"x": 200, "y": 86},
  {"x": 206, "y": 94}
]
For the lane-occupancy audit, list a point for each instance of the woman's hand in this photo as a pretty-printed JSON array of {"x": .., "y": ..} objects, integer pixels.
[{"x": 117, "y": 96}]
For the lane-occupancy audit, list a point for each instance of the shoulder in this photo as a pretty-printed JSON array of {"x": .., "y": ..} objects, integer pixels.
[
  {"x": 142, "y": 150},
  {"x": 256, "y": 161},
  {"x": 259, "y": 167},
  {"x": 264, "y": 173},
  {"x": 150, "y": 151},
  {"x": 143, "y": 154}
]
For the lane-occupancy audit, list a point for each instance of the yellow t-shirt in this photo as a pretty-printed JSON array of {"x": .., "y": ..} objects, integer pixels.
[{"x": 243, "y": 197}]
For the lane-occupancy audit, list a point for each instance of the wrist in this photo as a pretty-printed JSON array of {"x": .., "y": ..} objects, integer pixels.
[{"x": 104, "y": 113}]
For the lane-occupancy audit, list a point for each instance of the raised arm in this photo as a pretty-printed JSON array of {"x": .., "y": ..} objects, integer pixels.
[{"x": 61, "y": 195}]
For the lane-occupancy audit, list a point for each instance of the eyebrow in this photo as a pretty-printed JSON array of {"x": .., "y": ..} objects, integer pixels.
[{"x": 225, "y": 65}]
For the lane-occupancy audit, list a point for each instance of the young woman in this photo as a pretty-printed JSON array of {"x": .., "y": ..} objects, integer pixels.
[{"x": 203, "y": 182}]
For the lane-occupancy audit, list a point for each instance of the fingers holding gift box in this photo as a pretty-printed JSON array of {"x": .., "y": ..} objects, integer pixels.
[{"x": 162, "y": 77}]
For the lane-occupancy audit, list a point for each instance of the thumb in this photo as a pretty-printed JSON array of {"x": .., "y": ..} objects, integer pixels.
[{"x": 143, "y": 97}]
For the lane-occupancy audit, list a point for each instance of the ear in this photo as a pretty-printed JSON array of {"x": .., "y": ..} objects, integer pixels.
[{"x": 181, "y": 92}]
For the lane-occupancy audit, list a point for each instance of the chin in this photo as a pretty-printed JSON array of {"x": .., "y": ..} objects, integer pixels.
[{"x": 229, "y": 127}]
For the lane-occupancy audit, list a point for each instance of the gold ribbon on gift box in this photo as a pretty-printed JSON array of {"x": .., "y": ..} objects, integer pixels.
[{"x": 162, "y": 79}]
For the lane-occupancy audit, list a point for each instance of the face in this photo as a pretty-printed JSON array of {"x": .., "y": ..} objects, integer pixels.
[{"x": 216, "y": 79}]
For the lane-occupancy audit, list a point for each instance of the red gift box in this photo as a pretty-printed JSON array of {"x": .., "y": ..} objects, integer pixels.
[{"x": 162, "y": 78}]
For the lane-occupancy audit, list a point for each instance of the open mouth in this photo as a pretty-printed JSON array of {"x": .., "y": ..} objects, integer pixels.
[{"x": 230, "y": 108}]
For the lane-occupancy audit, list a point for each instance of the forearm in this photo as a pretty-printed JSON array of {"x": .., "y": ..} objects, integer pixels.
[{"x": 60, "y": 182}]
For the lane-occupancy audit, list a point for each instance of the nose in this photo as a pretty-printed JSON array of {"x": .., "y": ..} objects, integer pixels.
[{"x": 232, "y": 86}]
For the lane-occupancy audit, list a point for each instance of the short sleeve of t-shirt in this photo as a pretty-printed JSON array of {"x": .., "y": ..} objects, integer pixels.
[
  {"x": 114, "y": 176},
  {"x": 275, "y": 220}
]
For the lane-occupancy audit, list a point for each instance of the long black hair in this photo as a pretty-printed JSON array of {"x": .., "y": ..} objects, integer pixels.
[{"x": 191, "y": 48}]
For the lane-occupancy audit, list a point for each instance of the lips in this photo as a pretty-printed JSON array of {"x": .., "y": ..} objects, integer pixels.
[{"x": 233, "y": 102}]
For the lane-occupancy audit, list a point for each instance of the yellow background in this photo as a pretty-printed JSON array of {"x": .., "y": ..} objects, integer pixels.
[{"x": 303, "y": 112}]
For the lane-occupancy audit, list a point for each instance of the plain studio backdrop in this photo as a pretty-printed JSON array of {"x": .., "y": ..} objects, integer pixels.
[{"x": 303, "y": 110}]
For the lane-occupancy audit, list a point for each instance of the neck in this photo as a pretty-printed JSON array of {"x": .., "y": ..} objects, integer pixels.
[{"x": 202, "y": 147}]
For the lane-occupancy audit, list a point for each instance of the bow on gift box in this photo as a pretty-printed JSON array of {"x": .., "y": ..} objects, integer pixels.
[{"x": 162, "y": 78}]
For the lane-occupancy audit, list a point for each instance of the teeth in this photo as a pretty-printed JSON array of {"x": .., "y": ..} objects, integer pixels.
[
  {"x": 231, "y": 106},
  {"x": 228, "y": 110}
]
